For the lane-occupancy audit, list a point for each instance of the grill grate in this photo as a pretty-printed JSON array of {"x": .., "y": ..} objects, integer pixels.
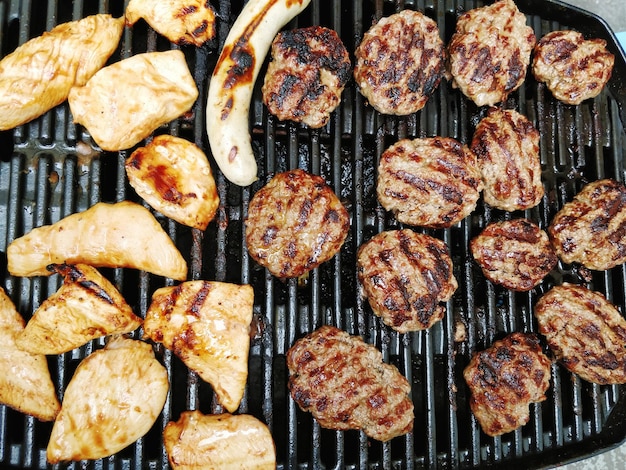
[{"x": 50, "y": 168}]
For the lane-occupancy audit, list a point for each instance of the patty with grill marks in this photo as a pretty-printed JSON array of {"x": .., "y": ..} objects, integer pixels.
[
  {"x": 406, "y": 277},
  {"x": 295, "y": 223},
  {"x": 585, "y": 331},
  {"x": 489, "y": 52},
  {"x": 591, "y": 229},
  {"x": 307, "y": 73},
  {"x": 432, "y": 182},
  {"x": 504, "y": 380},
  {"x": 400, "y": 62},
  {"x": 515, "y": 254},
  {"x": 573, "y": 69},
  {"x": 506, "y": 145},
  {"x": 345, "y": 384}
]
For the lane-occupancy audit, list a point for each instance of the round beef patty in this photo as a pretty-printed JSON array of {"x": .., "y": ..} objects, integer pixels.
[
  {"x": 345, "y": 384},
  {"x": 489, "y": 52},
  {"x": 308, "y": 71},
  {"x": 406, "y": 277},
  {"x": 585, "y": 332},
  {"x": 573, "y": 69},
  {"x": 400, "y": 62},
  {"x": 506, "y": 145},
  {"x": 295, "y": 223},
  {"x": 591, "y": 229},
  {"x": 515, "y": 254},
  {"x": 432, "y": 182}
]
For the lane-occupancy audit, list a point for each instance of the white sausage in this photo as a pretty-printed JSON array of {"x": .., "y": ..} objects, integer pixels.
[{"x": 230, "y": 89}]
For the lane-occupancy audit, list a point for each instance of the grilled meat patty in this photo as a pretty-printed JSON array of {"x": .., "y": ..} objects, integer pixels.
[
  {"x": 489, "y": 52},
  {"x": 345, "y": 384},
  {"x": 506, "y": 145},
  {"x": 406, "y": 277},
  {"x": 515, "y": 254},
  {"x": 573, "y": 69},
  {"x": 585, "y": 332},
  {"x": 307, "y": 73},
  {"x": 295, "y": 223},
  {"x": 400, "y": 62},
  {"x": 504, "y": 380},
  {"x": 591, "y": 229},
  {"x": 432, "y": 182}
]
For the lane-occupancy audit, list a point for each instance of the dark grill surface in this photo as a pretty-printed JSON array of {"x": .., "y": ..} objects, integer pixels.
[{"x": 50, "y": 168}]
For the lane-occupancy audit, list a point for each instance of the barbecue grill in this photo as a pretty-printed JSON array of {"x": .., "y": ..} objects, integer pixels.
[{"x": 51, "y": 168}]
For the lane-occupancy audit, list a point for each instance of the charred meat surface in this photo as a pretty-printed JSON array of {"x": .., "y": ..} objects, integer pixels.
[
  {"x": 573, "y": 69},
  {"x": 591, "y": 229},
  {"x": 515, "y": 254},
  {"x": 504, "y": 380},
  {"x": 585, "y": 331},
  {"x": 307, "y": 73},
  {"x": 400, "y": 62},
  {"x": 489, "y": 52},
  {"x": 431, "y": 182},
  {"x": 345, "y": 384},
  {"x": 406, "y": 277},
  {"x": 506, "y": 145},
  {"x": 295, "y": 223}
]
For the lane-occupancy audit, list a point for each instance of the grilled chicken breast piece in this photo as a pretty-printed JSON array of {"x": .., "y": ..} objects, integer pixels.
[
  {"x": 175, "y": 178},
  {"x": 25, "y": 383},
  {"x": 123, "y": 234},
  {"x": 504, "y": 380},
  {"x": 489, "y": 52},
  {"x": 345, "y": 384},
  {"x": 38, "y": 75},
  {"x": 573, "y": 68},
  {"x": 585, "y": 332},
  {"x": 197, "y": 441},
  {"x": 113, "y": 399},
  {"x": 125, "y": 102},
  {"x": 180, "y": 21},
  {"x": 308, "y": 71},
  {"x": 295, "y": 223},
  {"x": 590, "y": 229},
  {"x": 207, "y": 325},
  {"x": 87, "y": 306}
]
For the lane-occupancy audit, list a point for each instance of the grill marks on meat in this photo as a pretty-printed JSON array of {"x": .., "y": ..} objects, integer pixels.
[
  {"x": 306, "y": 76},
  {"x": 490, "y": 52},
  {"x": 295, "y": 223},
  {"x": 591, "y": 229},
  {"x": 406, "y": 276},
  {"x": 573, "y": 69},
  {"x": 400, "y": 62},
  {"x": 515, "y": 254},
  {"x": 432, "y": 182},
  {"x": 504, "y": 379},
  {"x": 345, "y": 384},
  {"x": 585, "y": 331},
  {"x": 506, "y": 145}
]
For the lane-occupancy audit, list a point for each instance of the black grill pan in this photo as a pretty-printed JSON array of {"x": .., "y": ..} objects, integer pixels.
[{"x": 51, "y": 168}]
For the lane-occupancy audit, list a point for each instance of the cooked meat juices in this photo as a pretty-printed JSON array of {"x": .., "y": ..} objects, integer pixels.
[
  {"x": 574, "y": 69},
  {"x": 345, "y": 384},
  {"x": 295, "y": 223},
  {"x": 515, "y": 254},
  {"x": 591, "y": 229},
  {"x": 490, "y": 52},
  {"x": 406, "y": 277},
  {"x": 504, "y": 380},
  {"x": 306, "y": 75},
  {"x": 400, "y": 62},
  {"x": 431, "y": 182},
  {"x": 585, "y": 332},
  {"x": 506, "y": 145}
]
